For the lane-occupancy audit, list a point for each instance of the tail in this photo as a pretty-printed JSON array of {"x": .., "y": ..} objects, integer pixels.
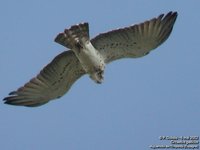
[{"x": 74, "y": 36}]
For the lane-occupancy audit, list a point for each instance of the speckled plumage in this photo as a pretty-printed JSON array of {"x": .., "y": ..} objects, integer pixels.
[{"x": 90, "y": 56}]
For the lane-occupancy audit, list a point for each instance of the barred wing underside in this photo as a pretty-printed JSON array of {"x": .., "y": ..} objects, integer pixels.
[
  {"x": 52, "y": 82},
  {"x": 135, "y": 41}
]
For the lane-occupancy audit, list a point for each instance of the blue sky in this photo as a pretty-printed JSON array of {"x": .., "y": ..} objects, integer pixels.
[{"x": 140, "y": 99}]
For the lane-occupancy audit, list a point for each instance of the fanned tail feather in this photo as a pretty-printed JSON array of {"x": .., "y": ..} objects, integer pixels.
[{"x": 74, "y": 36}]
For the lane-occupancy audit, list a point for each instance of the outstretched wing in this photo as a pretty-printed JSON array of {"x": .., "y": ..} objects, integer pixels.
[
  {"x": 52, "y": 82},
  {"x": 135, "y": 41}
]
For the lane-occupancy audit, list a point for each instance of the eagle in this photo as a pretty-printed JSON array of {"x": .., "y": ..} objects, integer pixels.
[{"x": 90, "y": 56}]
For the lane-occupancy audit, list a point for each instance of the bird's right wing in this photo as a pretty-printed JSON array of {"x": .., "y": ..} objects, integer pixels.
[
  {"x": 136, "y": 40},
  {"x": 52, "y": 82}
]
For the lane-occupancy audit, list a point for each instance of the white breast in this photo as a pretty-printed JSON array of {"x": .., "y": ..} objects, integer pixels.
[{"x": 90, "y": 58}]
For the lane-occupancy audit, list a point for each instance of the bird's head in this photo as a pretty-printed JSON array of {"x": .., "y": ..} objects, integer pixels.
[{"x": 97, "y": 76}]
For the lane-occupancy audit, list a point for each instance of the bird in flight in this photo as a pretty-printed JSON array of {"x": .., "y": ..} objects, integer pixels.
[{"x": 85, "y": 56}]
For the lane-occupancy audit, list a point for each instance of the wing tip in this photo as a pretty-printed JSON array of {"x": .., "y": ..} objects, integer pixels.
[
  {"x": 173, "y": 14},
  {"x": 16, "y": 100},
  {"x": 10, "y": 101},
  {"x": 169, "y": 15},
  {"x": 13, "y": 93}
]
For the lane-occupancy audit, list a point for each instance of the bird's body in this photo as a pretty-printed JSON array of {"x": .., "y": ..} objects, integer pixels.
[
  {"x": 92, "y": 62},
  {"x": 77, "y": 39},
  {"x": 90, "y": 57}
]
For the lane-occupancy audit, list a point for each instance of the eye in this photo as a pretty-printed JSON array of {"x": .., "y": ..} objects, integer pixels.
[{"x": 99, "y": 73}]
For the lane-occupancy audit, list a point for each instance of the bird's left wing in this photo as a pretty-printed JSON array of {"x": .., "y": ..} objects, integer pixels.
[
  {"x": 135, "y": 41},
  {"x": 52, "y": 82}
]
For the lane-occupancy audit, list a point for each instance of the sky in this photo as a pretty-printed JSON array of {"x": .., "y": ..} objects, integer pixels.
[{"x": 140, "y": 99}]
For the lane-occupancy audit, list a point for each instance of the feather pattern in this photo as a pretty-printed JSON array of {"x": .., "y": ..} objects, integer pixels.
[
  {"x": 57, "y": 77},
  {"x": 135, "y": 41},
  {"x": 52, "y": 82}
]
